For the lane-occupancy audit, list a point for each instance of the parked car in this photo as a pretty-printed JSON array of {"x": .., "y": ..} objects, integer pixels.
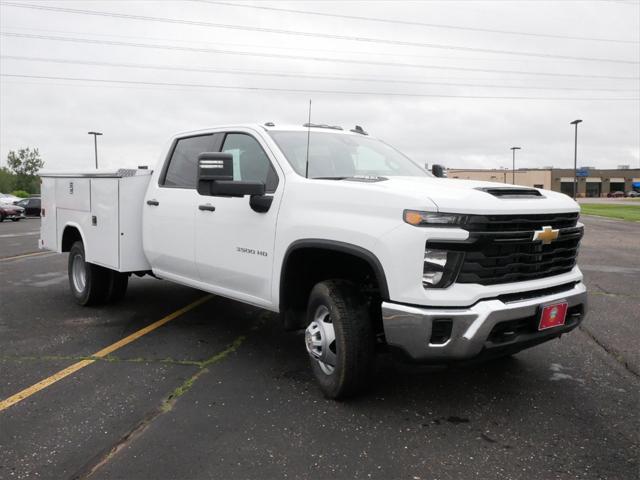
[
  {"x": 633, "y": 194},
  {"x": 11, "y": 212},
  {"x": 31, "y": 206},
  {"x": 8, "y": 199},
  {"x": 348, "y": 239},
  {"x": 615, "y": 194}
]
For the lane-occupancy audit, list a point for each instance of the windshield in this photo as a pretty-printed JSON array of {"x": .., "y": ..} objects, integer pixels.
[{"x": 335, "y": 155}]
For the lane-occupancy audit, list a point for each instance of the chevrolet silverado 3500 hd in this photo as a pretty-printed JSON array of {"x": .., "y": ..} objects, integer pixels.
[{"x": 340, "y": 233}]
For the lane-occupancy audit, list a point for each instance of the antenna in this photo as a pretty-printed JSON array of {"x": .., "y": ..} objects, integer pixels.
[{"x": 306, "y": 175}]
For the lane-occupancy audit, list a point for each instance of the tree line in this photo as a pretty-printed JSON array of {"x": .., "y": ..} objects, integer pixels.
[{"x": 20, "y": 176}]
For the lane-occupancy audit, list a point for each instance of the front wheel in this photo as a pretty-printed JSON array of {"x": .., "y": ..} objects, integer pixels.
[
  {"x": 339, "y": 338},
  {"x": 88, "y": 282}
]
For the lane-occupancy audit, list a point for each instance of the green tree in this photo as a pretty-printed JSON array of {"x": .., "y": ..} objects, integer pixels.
[
  {"x": 7, "y": 180},
  {"x": 25, "y": 166}
]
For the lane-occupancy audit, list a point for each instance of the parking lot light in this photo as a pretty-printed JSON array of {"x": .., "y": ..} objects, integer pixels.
[
  {"x": 575, "y": 159},
  {"x": 95, "y": 144}
]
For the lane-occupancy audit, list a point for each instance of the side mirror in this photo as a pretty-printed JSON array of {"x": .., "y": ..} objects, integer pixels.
[
  {"x": 213, "y": 166},
  {"x": 215, "y": 177},
  {"x": 439, "y": 171}
]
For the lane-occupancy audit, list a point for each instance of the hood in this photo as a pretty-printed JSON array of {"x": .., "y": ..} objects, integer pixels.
[{"x": 469, "y": 196}]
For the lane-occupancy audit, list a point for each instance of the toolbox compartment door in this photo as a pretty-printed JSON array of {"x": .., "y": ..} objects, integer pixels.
[{"x": 103, "y": 230}]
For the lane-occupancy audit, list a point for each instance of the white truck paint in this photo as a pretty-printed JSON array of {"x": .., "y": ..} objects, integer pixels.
[{"x": 351, "y": 228}]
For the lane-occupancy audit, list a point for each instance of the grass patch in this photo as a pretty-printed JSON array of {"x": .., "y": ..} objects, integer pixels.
[{"x": 621, "y": 212}]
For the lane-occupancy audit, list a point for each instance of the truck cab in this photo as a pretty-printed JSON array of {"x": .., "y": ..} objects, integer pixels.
[{"x": 340, "y": 233}]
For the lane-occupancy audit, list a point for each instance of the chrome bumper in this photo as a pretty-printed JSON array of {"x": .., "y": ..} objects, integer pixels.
[{"x": 410, "y": 329}]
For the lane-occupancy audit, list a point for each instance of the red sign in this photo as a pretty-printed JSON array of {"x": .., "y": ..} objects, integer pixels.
[{"x": 553, "y": 316}]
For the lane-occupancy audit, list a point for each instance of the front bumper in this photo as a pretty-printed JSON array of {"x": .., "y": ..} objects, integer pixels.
[
  {"x": 13, "y": 216},
  {"x": 443, "y": 335}
]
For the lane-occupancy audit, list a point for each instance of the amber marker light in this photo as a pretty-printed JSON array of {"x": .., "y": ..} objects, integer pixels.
[{"x": 412, "y": 217}]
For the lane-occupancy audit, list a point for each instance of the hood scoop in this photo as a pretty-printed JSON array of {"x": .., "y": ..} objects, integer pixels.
[{"x": 511, "y": 192}]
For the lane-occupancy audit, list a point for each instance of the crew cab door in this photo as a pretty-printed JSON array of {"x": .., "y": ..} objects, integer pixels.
[
  {"x": 170, "y": 208},
  {"x": 235, "y": 241}
]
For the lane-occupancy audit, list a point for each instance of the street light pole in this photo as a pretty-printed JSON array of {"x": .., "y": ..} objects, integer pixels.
[
  {"x": 95, "y": 144},
  {"x": 513, "y": 171},
  {"x": 575, "y": 159}
]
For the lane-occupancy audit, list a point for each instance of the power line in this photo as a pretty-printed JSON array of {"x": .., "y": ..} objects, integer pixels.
[
  {"x": 311, "y": 34},
  {"x": 418, "y": 24},
  {"x": 301, "y": 75},
  {"x": 302, "y": 90},
  {"x": 310, "y": 58},
  {"x": 264, "y": 46}
]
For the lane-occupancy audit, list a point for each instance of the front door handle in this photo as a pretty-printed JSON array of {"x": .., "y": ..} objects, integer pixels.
[
  {"x": 154, "y": 203},
  {"x": 207, "y": 208}
]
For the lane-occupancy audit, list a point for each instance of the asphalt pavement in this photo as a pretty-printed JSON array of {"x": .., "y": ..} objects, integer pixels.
[{"x": 220, "y": 391}]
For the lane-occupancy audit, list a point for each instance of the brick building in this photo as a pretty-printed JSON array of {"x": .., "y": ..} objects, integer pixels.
[{"x": 592, "y": 182}]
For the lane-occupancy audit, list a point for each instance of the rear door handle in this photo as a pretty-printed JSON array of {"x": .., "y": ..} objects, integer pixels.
[
  {"x": 207, "y": 207},
  {"x": 154, "y": 203}
]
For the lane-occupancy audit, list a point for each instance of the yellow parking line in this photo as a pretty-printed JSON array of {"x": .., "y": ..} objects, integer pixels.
[
  {"x": 35, "y": 254},
  {"x": 27, "y": 392}
]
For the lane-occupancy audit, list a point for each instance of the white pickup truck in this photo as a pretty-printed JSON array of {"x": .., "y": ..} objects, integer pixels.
[{"x": 340, "y": 233}]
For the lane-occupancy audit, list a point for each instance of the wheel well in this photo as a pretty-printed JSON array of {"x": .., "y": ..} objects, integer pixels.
[
  {"x": 69, "y": 237},
  {"x": 305, "y": 266}
]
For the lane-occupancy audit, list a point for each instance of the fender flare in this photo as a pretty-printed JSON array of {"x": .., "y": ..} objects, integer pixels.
[
  {"x": 341, "y": 247},
  {"x": 79, "y": 229}
]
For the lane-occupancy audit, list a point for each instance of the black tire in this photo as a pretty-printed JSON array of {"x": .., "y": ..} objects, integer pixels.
[
  {"x": 15, "y": 219},
  {"x": 96, "y": 285},
  {"x": 117, "y": 287},
  {"x": 354, "y": 338},
  {"x": 1, "y": 218}
]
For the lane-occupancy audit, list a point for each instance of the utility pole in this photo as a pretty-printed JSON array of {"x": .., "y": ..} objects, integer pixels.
[
  {"x": 513, "y": 171},
  {"x": 575, "y": 159},
  {"x": 95, "y": 144}
]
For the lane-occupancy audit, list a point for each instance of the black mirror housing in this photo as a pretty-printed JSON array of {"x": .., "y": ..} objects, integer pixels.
[
  {"x": 238, "y": 188},
  {"x": 213, "y": 166},
  {"x": 215, "y": 177},
  {"x": 439, "y": 171}
]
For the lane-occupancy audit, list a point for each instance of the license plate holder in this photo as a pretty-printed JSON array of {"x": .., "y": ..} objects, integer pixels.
[{"x": 553, "y": 315}]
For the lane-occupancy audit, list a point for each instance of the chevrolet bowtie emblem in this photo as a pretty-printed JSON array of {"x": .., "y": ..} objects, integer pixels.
[{"x": 546, "y": 235}]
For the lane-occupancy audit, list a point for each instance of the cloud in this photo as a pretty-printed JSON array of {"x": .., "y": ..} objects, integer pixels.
[{"x": 55, "y": 115}]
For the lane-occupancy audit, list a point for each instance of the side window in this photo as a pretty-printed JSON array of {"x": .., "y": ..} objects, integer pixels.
[
  {"x": 250, "y": 162},
  {"x": 183, "y": 165}
]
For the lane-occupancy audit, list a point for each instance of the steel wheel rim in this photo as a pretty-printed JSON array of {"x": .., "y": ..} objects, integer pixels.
[
  {"x": 320, "y": 340},
  {"x": 79, "y": 273}
]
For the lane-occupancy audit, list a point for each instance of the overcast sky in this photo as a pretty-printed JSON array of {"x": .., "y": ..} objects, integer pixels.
[{"x": 431, "y": 117}]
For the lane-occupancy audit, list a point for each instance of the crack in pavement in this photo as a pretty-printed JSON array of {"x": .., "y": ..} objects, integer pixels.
[
  {"x": 617, "y": 356},
  {"x": 605, "y": 293},
  {"x": 166, "y": 406}
]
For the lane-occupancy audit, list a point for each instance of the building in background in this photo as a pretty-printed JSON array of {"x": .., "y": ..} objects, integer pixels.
[{"x": 592, "y": 182}]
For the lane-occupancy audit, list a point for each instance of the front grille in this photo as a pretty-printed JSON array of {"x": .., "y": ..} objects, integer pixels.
[
  {"x": 510, "y": 223},
  {"x": 500, "y": 248}
]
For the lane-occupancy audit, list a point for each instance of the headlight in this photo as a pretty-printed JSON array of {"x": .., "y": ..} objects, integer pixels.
[
  {"x": 433, "y": 219},
  {"x": 441, "y": 268}
]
